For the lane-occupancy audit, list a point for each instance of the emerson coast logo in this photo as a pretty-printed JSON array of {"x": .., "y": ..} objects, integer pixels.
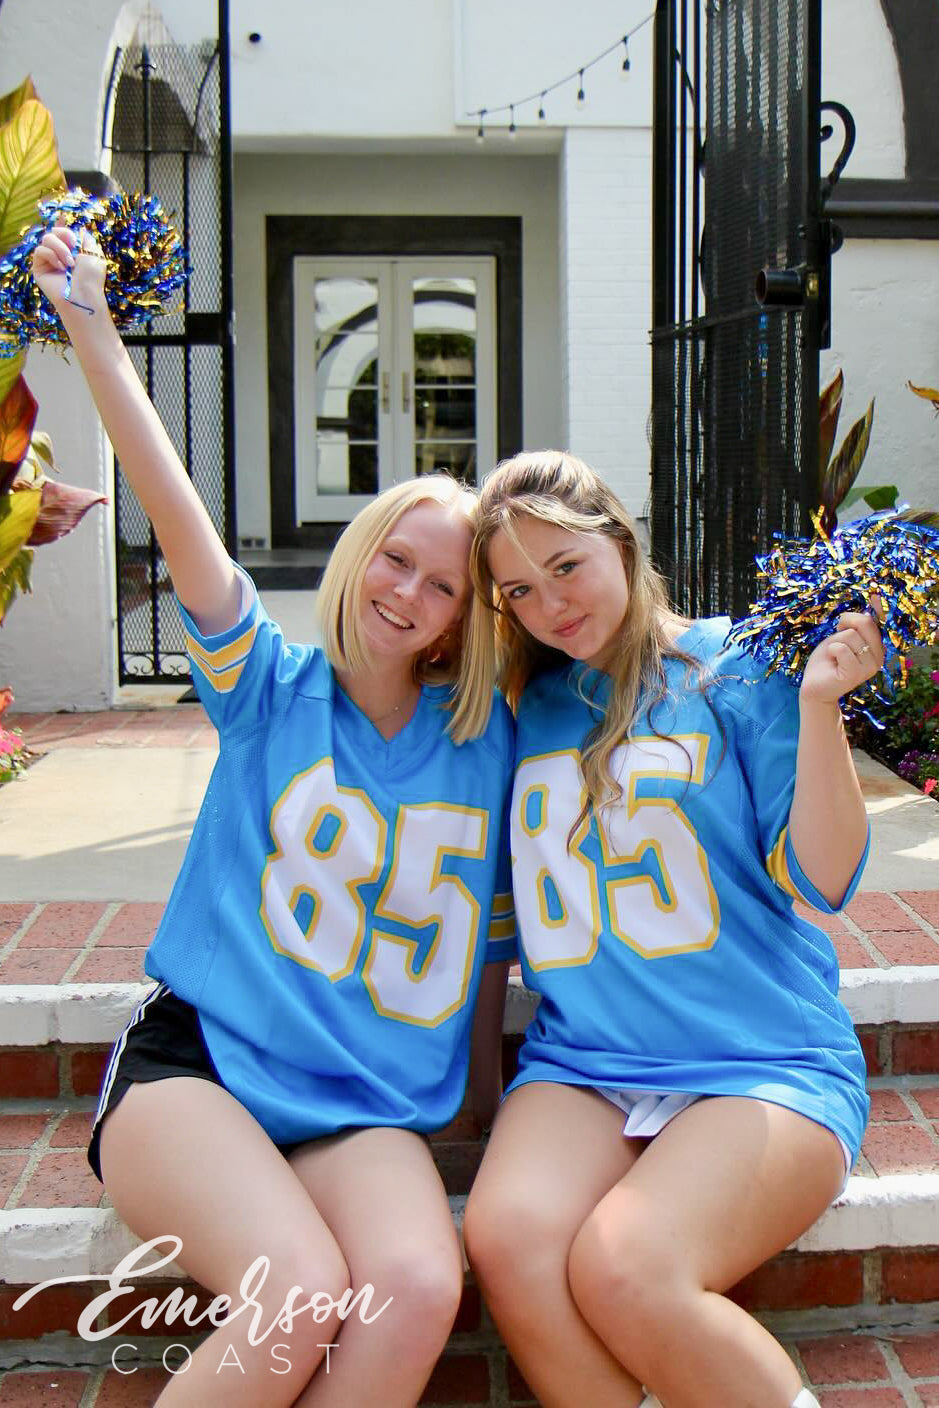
[{"x": 222, "y": 1311}]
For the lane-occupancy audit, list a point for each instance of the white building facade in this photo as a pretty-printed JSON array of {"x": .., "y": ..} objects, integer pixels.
[{"x": 348, "y": 115}]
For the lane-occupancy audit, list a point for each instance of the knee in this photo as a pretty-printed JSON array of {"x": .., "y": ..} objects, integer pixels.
[
  {"x": 620, "y": 1274},
  {"x": 424, "y": 1291},
  {"x": 301, "y": 1287},
  {"x": 510, "y": 1244}
]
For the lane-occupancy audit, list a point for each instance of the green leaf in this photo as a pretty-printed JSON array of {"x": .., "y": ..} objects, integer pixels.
[
  {"x": 11, "y": 103},
  {"x": 884, "y": 496},
  {"x": 18, "y": 514},
  {"x": 829, "y": 409},
  {"x": 15, "y": 578},
  {"x": 10, "y": 369},
  {"x": 843, "y": 470},
  {"x": 29, "y": 169},
  {"x": 41, "y": 446},
  {"x": 17, "y": 418},
  {"x": 877, "y": 495}
]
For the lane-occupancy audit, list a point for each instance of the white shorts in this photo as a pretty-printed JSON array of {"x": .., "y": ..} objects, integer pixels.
[{"x": 649, "y": 1111}]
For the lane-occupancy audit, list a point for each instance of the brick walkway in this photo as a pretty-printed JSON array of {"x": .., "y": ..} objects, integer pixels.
[{"x": 177, "y": 726}]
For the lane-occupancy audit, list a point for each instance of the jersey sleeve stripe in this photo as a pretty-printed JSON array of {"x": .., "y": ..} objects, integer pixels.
[
  {"x": 502, "y": 928},
  {"x": 777, "y": 865},
  {"x": 216, "y": 661},
  {"x": 503, "y": 904}
]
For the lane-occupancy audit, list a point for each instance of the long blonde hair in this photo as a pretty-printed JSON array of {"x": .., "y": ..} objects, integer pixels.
[
  {"x": 464, "y": 656},
  {"x": 558, "y": 488}
]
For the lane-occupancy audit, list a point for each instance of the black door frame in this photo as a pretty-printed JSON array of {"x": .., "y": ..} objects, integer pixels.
[{"x": 380, "y": 236}]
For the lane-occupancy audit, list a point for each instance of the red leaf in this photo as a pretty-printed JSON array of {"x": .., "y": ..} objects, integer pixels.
[
  {"x": 63, "y": 507},
  {"x": 17, "y": 418}
]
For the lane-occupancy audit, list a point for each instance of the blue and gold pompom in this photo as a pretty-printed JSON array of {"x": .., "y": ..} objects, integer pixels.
[
  {"x": 806, "y": 584},
  {"x": 146, "y": 266}
]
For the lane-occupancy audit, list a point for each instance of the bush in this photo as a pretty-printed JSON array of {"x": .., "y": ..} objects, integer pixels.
[{"x": 908, "y": 741}]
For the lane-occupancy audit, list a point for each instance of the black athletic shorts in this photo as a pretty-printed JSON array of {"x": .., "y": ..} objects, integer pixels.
[{"x": 163, "y": 1039}]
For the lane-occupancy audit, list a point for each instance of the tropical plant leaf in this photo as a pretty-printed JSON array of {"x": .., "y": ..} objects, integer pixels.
[
  {"x": 878, "y": 496},
  {"x": 14, "y": 578},
  {"x": 29, "y": 169},
  {"x": 10, "y": 369},
  {"x": 35, "y": 462},
  {"x": 928, "y": 392},
  {"x": 844, "y": 467},
  {"x": 63, "y": 507},
  {"x": 11, "y": 103},
  {"x": 41, "y": 447},
  {"x": 17, "y": 418},
  {"x": 18, "y": 514},
  {"x": 829, "y": 409}
]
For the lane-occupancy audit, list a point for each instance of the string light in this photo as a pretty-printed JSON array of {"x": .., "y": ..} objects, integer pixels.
[{"x": 540, "y": 94}]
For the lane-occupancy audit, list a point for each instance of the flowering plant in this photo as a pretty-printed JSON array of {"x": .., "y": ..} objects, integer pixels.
[
  {"x": 908, "y": 740},
  {"x": 13, "y": 756}
]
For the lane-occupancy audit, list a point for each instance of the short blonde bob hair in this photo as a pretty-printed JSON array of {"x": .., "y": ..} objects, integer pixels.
[{"x": 463, "y": 657}]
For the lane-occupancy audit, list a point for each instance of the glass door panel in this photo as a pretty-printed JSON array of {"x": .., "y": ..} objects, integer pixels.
[{"x": 395, "y": 376}]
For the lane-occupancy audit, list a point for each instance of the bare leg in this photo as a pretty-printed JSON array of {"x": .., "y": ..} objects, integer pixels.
[
  {"x": 182, "y": 1157},
  {"x": 381, "y": 1195},
  {"x": 555, "y": 1151},
  {"x": 729, "y": 1183}
]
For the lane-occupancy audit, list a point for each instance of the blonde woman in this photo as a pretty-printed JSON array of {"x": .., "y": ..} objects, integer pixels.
[
  {"x": 691, "y": 1094},
  {"x": 327, "y": 938}
]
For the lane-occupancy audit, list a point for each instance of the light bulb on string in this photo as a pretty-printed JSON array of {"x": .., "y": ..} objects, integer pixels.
[
  {"x": 480, "y": 134},
  {"x": 512, "y": 128},
  {"x": 541, "y": 116},
  {"x": 581, "y": 95},
  {"x": 624, "y": 71}
]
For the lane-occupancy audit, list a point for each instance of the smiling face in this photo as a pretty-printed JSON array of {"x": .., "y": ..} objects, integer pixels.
[
  {"x": 417, "y": 583},
  {"x": 567, "y": 589}
]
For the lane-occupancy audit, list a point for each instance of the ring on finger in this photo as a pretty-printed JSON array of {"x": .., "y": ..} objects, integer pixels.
[{"x": 863, "y": 650}]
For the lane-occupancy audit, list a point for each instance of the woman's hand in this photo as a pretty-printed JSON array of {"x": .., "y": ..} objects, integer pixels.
[
  {"x": 55, "y": 257},
  {"x": 852, "y": 654}
]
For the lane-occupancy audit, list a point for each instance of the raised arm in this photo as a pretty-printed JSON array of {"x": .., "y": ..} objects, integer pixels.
[
  {"x": 202, "y": 572},
  {"x": 827, "y": 822}
]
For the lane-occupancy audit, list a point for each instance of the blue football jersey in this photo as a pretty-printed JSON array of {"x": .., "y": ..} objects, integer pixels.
[
  {"x": 340, "y": 894},
  {"x": 663, "y": 940}
]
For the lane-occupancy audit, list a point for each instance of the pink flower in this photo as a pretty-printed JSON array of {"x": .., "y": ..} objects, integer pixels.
[
  {"x": 9, "y": 742},
  {"x": 934, "y": 676},
  {"x": 930, "y": 786}
]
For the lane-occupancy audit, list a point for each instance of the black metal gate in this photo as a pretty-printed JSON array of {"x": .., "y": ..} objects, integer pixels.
[
  {"x": 167, "y": 123},
  {"x": 734, "y": 381}
]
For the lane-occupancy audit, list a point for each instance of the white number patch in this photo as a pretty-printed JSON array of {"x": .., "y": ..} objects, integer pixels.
[
  {"x": 330, "y": 840},
  {"x": 654, "y": 873}
]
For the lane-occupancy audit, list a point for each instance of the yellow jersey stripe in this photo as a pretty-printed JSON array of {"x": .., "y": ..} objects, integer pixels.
[
  {"x": 216, "y": 660},
  {"x": 777, "y": 867}
]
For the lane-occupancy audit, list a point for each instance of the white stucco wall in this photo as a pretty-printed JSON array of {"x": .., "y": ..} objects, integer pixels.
[{"x": 885, "y": 332}]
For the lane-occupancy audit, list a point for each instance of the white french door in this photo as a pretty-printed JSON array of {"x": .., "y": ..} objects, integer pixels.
[{"x": 395, "y": 376}]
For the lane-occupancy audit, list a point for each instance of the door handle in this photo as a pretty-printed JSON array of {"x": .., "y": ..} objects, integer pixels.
[
  {"x": 405, "y": 392},
  {"x": 385, "y": 391}
]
